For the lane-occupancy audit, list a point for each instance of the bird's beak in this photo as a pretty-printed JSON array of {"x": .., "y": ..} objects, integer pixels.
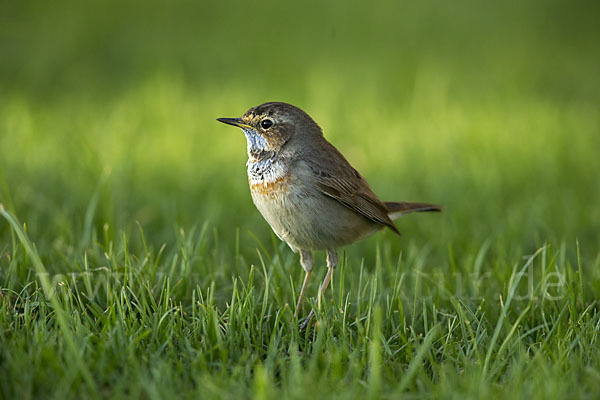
[{"x": 233, "y": 121}]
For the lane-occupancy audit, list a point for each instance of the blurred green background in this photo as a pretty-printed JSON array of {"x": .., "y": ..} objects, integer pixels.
[{"x": 488, "y": 108}]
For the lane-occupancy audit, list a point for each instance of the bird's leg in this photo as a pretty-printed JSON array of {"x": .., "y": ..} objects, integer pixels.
[
  {"x": 307, "y": 262},
  {"x": 332, "y": 260}
]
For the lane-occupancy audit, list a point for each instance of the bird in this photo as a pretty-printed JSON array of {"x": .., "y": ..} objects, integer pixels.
[{"x": 307, "y": 191}]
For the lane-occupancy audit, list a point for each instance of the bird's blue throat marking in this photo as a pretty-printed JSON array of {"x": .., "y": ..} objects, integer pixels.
[
  {"x": 256, "y": 143},
  {"x": 263, "y": 166}
]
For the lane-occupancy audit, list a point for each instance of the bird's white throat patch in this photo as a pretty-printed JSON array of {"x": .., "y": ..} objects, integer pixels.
[{"x": 265, "y": 171}]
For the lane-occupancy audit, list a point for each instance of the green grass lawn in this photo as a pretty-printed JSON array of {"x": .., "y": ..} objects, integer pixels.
[{"x": 133, "y": 263}]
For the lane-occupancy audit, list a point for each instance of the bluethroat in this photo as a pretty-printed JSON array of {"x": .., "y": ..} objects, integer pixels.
[{"x": 310, "y": 195}]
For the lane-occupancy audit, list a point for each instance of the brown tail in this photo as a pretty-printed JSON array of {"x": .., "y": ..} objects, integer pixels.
[{"x": 396, "y": 210}]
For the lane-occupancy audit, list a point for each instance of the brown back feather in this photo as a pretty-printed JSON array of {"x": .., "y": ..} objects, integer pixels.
[{"x": 336, "y": 178}]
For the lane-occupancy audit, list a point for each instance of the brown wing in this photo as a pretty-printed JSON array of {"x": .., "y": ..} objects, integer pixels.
[{"x": 336, "y": 178}]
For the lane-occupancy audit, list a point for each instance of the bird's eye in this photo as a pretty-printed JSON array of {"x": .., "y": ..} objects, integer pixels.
[{"x": 266, "y": 123}]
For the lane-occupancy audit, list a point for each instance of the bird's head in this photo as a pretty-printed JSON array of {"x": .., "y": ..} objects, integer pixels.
[{"x": 271, "y": 127}]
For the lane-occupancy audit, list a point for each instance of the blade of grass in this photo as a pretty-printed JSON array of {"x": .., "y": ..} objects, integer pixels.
[
  {"x": 415, "y": 363},
  {"x": 501, "y": 318},
  {"x": 61, "y": 317}
]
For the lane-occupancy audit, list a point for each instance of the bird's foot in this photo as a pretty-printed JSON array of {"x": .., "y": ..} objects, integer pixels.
[{"x": 307, "y": 321}]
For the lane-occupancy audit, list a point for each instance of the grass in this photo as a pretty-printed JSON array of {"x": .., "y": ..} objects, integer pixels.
[{"x": 133, "y": 263}]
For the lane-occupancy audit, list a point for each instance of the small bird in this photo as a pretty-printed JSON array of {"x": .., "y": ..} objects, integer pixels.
[{"x": 307, "y": 191}]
